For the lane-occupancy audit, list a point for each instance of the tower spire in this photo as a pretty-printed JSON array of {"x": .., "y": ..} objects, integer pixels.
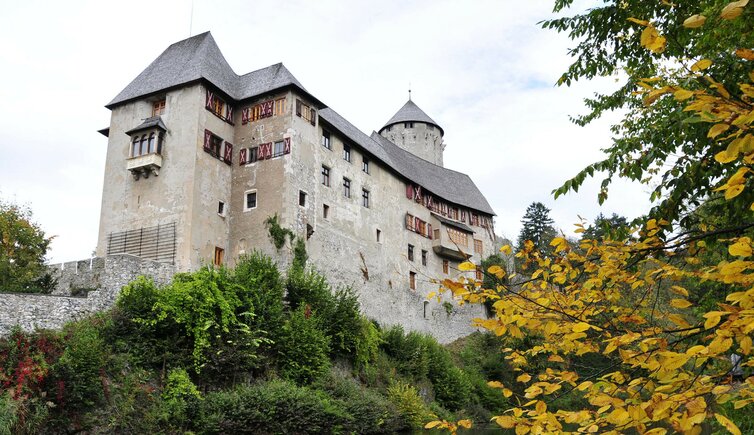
[{"x": 409, "y": 91}]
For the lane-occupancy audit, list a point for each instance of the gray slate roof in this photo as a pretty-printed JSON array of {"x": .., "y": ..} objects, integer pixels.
[
  {"x": 155, "y": 121},
  {"x": 411, "y": 112},
  {"x": 450, "y": 185},
  {"x": 198, "y": 58}
]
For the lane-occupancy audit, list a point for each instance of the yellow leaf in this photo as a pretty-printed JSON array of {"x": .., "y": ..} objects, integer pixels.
[
  {"x": 639, "y": 22},
  {"x": 497, "y": 271},
  {"x": 619, "y": 416},
  {"x": 466, "y": 266},
  {"x": 733, "y": 9},
  {"x": 651, "y": 40},
  {"x": 584, "y": 385},
  {"x": 711, "y": 321},
  {"x": 723, "y": 420},
  {"x": 718, "y": 129},
  {"x": 505, "y": 421},
  {"x": 541, "y": 407},
  {"x": 555, "y": 358},
  {"x": 507, "y": 250},
  {"x": 742, "y": 248},
  {"x": 432, "y": 424},
  {"x": 733, "y": 191},
  {"x": 683, "y": 94},
  {"x": 581, "y": 327},
  {"x": 680, "y": 303},
  {"x": 745, "y": 53},
  {"x": 679, "y": 290},
  {"x": 701, "y": 65},
  {"x": 656, "y": 431},
  {"x": 559, "y": 243},
  {"x": 725, "y": 157},
  {"x": 745, "y": 344},
  {"x": 495, "y": 384},
  {"x": 694, "y": 21},
  {"x": 507, "y": 392},
  {"x": 523, "y": 378},
  {"x": 465, "y": 423}
]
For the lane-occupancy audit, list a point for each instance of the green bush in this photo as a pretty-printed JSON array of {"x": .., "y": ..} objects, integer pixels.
[
  {"x": 275, "y": 407},
  {"x": 409, "y": 404},
  {"x": 8, "y": 413},
  {"x": 367, "y": 343},
  {"x": 307, "y": 287},
  {"x": 81, "y": 366},
  {"x": 304, "y": 348},
  {"x": 408, "y": 351},
  {"x": 262, "y": 291}
]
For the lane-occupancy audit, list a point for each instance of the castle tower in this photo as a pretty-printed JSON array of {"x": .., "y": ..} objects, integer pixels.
[{"x": 414, "y": 131}]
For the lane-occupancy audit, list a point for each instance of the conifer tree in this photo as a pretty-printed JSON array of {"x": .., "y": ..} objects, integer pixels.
[{"x": 537, "y": 227}]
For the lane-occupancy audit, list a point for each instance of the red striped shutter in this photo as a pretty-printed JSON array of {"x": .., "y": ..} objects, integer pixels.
[
  {"x": 229, "y": 113},
  {"x": 430, "y": 202},
  {"x": 245, "y": 115},
  {"x": 207, "y": 140},
  {"x": 266, "y": 109},
  {"x": 418, "y": 193},
  {"x": 228, "y": 152},
  {"x": 417, "y": 223},
  {"x": 242, "y": 156},
  {"x": 209, "y": 100},
  {"x": 409, "y": 191},
  {"x": 286, "y": 145}
]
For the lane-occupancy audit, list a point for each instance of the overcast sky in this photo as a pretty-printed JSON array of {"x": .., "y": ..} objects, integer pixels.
[{"x": 483, "y": 70}]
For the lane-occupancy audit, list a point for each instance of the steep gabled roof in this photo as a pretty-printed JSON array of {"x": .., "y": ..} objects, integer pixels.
[
  {"x": 411, "y": 112},
  {"x": 198, "y": 58},
  {"x": 448, "y": 184}
]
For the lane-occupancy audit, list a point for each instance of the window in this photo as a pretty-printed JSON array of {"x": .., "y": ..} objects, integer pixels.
[
  {"x": 347, "y": 153},
  {"x": 408, "y": 125},
  {"x": 326, "y": 176},
  {"x": 412, "y": 280},
  {"x": 410, "y": 252},
  {"x": 424, "y": 257},
  {"x": 379, "y": 236},
  {"x": 445, "y": 266},
  {"x": 365, "y": 198},
  {"x": 221, "y": 208},
  {"x": 253, "y": 154},
  {"x": 158, "y": 107},
  {"x": 304, "y": 111},
  {"x": 365, "y": 165},
  {"x": 219, "y": 254},
  {"x": 458, "y": 237},
  {"x": 215, "y": 146},
  {"x": 135, "y": 147},
  {"x": 218, "y": 107},
  {"x": 279, "y": 149},
  {"x": 479, "y": 274},
  {"x": 280, "y": 106},
  {"x": 143, "y": 146},
  {"x": 389, "y": 127},
  {"x": 478, "y": 246},
  {"x": 325, "y": 211},
  {"x": 251, "y": 200},
  {"x": 437, "y": 234},
  {"x": 346, "y": 187},
  {"x": 302, "y": 198},
  {"x": 326, "y": 139}
]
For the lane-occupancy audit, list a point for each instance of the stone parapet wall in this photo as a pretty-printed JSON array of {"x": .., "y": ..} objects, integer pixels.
[{"x": 100, "y": 279}]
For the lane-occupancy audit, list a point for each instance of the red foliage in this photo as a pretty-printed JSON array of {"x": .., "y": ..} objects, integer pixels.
[{"x": 25, "y": 361}]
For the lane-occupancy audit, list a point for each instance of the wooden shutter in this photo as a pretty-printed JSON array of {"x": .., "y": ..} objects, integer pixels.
[
  {"x": 207, "y": 140},
  {"x": 409, "y": 191},
  {"x": 298, "y": 107},
  {"x": 312, "y": 116},
  {"x": 463, "y": 216},
  {"x": 209, "y": 100},
  {"x": 228, "y": 152},
  {"x": 245, "y": 115},
  {"x": 286, "y": 145},
  {"x": 418, "y": 193},
  {"x": 429, "y": 231},
  {"x": 266, "y": 109},
  {"x": 229, "y": 113},
  {"x": 242, "y": 156},
  {"x": 430, "y": 201}
]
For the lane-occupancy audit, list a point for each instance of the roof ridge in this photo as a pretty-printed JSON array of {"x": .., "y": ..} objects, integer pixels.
[{"x": 414, "y": 155}]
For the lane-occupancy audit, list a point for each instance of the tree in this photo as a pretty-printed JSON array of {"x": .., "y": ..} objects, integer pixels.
[
  {"x": 537, "y": 227},
  {"x": 23, "y": 247},
  {"x": 688, "y": 98},
  {"x": 615, "y": 228}
]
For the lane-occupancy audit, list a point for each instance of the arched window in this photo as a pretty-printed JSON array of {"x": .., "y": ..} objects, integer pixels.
[
  {"x": 135, "y": 147},
  {"x": 151, "y": 143},
  {"x": 143, "y": 145},
  {"x": 160, "y": 137}
]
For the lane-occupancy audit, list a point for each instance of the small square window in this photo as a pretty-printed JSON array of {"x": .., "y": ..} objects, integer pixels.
[
  {"x": 279, "y": 149},
  {"x": 326, "y": 176},
  {"x": 445, "y": 267},
  {"x": 365, "y": 165},
  {"x": 478, "y": 246},
  {"x": 410, "y": 252},
  {"x": 302, "y": 198},
  {"x": 424, "y": 257},
  {"x": 365, "y": 198},
  {"x": 221, "y": 208},
  {"x": 346, "y": 187},
  {"x": 326, "y": 139},
  {"x": 437, "y": 234},
  {"x": 251, "y": 200},
  {"x": 158, "y": 107},
  {"x": 412, "y": 280},
  {"x": 379, "y": 236},
  {"x": 325, "y": 211},
  {"x": 346, "y": 153}
]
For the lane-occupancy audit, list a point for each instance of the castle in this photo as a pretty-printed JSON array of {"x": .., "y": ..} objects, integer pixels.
[{"x": 198, "y": 158}]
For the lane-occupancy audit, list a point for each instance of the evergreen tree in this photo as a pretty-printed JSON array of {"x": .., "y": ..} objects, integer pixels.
[
  {"x": 614, "y": 227},
  {"x": 537, "y": 227}
]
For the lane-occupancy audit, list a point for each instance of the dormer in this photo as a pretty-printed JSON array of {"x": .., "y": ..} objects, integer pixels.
[{"x": 145, "y": 150}]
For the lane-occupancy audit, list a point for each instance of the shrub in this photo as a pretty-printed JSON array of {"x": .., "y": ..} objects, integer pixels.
[
  {"x": 342, "y": 322},
  {"x": 308, "y": 287},
  {"x": 275, "y": 407},
  {"x": 81, "y": 365},
  {"x": 408, "y": 350},
  {"x": 304, "y": 348},
  {"x": 409, "y": 404},
  {"x": 8, "y": 413},
  {"x": 367, "y": 343},
  {"x": 262, "y": 291}
]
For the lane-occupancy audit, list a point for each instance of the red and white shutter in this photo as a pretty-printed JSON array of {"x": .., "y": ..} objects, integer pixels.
[
  {"x": 207, "y": 140},
  {"x": 229, "y": 113},
  {"x": 409, "y": 191},
  {"x": 418, "y": 193},
  {"x": 286, "y": 145},
  {"x": 245, "y": 115},
  {"x": 267, "y": 109},
  {"x": 430, "y": 201},
  {"x": 228, "y": 152},
  {"x": 242, "y": 156},
  {"x": 209, "y": 100}
]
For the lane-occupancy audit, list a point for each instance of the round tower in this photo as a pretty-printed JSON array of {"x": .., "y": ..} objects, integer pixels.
[{"x": 414, "y": 131}]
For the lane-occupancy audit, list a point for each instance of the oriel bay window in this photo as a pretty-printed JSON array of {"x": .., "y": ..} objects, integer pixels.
[{"x": 145, "y": 147}]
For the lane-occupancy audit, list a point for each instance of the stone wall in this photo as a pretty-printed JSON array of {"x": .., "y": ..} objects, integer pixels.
[{"x": 97, "y": 280}]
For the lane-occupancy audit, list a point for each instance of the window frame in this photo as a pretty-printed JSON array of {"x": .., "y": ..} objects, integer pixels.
[
  {"x": 246, "y": 200},
  {"x": 365, "y": 165},
  {"x": 326, "y": 139},
  {"x": 325, "y": 176},
  {"x": 346, "y": 187},
  {"x": 410, "y": 252},
  {"x": 347, "y": 153},
  {"x": 302, "y": 198},
  {"x": 158, "y": 107},
  {"x": 425, "y": 256},
  {"x": 445, "y": 267},
  {"x": 275, "y": 151},
  {"x": 365, "y": 198},
  {"x": 325, "y": 211},
  {"x": 412, "y": 280}
]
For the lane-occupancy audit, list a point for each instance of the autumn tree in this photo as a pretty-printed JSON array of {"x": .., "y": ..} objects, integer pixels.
[
  {"x": 687, "y": 91},
  {"x": 23, "y": 247}
]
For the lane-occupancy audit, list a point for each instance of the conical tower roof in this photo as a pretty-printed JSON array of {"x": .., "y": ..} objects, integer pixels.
[{"x": 410, "y": 112}]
